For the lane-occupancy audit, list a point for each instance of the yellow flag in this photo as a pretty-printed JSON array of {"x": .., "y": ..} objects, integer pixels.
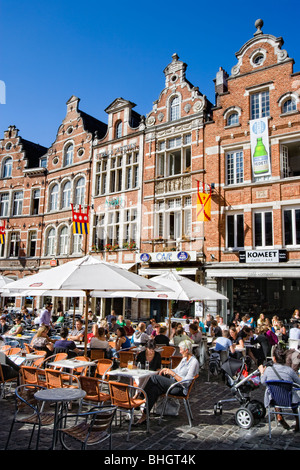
[{"x": 203, "y": 207}]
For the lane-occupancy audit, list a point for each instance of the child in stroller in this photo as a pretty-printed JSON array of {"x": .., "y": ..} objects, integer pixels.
[{"x": 242, "y": 384}]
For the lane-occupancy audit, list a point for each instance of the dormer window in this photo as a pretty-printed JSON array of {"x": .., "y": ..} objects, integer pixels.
[
  {"x": 175, "y": 109},
  {"x": 233, "y": 119},
  {"x": 289, "y": 106},
  {"x": 119, "y": 129}
]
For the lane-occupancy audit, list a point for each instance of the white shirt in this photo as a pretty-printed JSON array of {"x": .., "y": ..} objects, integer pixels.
[{"x": 294, "y": 333}]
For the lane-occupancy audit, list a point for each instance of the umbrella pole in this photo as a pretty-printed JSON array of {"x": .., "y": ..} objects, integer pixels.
[
  {"x": 87, "y": 299},
  {"x": 73, "y": 313},
  {"x": 170, "y": 316}
]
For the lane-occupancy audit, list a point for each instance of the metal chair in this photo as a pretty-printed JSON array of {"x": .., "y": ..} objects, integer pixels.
[
  {"x": 91, "y": 428},
  {"x": 102, "y": 367},
  {"x": 166, "y": 354},
  {"x": 93, "y": 388},
  {"x": 281, "y": 392},
  {"x": 4, "y": 381},
  {"x": 14, "y": 351},
  {"x": 58, "y": 379},
  {"x": 97, "y": 354},
  {"x": 28, "y": 411},
  {"x": 124, "y": 357},
  {"x": 185, "y": 398},
  {"x": 120, "y": 394}
]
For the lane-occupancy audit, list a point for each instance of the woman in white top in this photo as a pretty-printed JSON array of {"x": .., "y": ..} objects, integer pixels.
[{"x": 158, "y": 384}]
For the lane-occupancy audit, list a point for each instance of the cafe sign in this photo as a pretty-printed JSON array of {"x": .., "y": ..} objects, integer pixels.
[
  {"x": 166, "y": 257},
  {"x": 263, "y": 256}
]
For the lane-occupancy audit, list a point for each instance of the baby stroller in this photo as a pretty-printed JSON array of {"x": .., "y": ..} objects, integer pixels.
[{"x": 250, "y": 411}]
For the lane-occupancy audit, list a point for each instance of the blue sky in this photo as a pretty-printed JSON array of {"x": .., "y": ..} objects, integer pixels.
[{"x": 100, "y": 51}]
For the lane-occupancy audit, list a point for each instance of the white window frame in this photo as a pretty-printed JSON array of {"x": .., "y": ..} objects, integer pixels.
[
  {"x": 258, "y": 111},
  {"x": 7, "y": 167},
  {"x": 66, "y": 195},
  {"x": 17, "y": 205},
  {"x": 293, "y": 210},
  {"x": 4, "y": 205},
  {"x": 79, "y": 191},
  {"x": 236, "y": 221},
  {"x": 233, "y": 174},
  {"x": 68, "y": 154},
  {"x": 174, "y": 108},
  {"x": 63, "y": 240},
  {"x": 50, "y": 242},
  {"x": 264, "y": 232},
  {"x": 53, "y": 197}
]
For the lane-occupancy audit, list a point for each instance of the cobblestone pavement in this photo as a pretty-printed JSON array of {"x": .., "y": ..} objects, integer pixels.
[{"x": 208, "y": 433}]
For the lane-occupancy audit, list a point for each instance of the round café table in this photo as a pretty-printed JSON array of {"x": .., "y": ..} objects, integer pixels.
[{"x": 59, "y": 396}]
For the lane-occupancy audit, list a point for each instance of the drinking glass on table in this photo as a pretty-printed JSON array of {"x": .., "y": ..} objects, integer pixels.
[
  {"x": 130, "y": 364},
  {"x": 147, "y": 365}
]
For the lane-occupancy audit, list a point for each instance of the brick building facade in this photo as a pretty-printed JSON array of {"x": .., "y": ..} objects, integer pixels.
[{"x": 139, "y": 176}]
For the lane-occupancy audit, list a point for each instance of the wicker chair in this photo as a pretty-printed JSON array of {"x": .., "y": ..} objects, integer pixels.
[
  {"x": 125, "y": 356},
  {"x": 13, "y": 351},
  {"x": 103, "y": 366},
  {"x": 25, "y": 402},
  {"x": 97, "y": 354},
  {"x": 91, "y": 428},
  {"x": 58, "y": 379},
  {"x": 93, "y": 388},
  {"x": 166, "y": 353},
  {"x": 120, "y": 395}
]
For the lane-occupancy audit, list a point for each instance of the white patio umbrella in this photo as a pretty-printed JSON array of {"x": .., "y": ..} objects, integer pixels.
[
  {"x": 182, "y": 288},
  {"x": 4, "y": 280},
  {"x": 88, "y": 275}
]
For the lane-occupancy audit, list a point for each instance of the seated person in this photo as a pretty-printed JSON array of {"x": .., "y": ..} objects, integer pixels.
[
  {"x": 66, "y": 344},
  {"x": 149, "y": 355},
  {"x": 180, "y": 335},
  {"x": 223, "y": 343},
  {"x": 99, "y": 341},
  {"x": 214, "y": 330},
  {"x": 139, "y": 336},
  {"x": 4, "y": 327},
  {"x": 78, "y": 333},
  {"x": 195, "y": 333},
  {"x": 41, "y": 341},
  {"x": 122, "y": 342},
  {"x": 286, "y": 373},
  {"x": 17, "y": 328},
  {"x": 162, "y": 338},
  {"x": 155, "y": 330},
  {"x": 113, "y": 326},
  {"x": 158, "y": 384},
  {"x": 121, "y": 321},
  {"x": 295, "y": 331},
  {"x": 128, "y": 328}
]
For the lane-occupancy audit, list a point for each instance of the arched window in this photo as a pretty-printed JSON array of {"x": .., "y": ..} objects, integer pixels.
[
  {"x": 66, "y": 195},
  {"x": 68, "y": 156},
  {"x": 50, "y": 242},
  {"x": 118, "y": 129},
  {"x": 175, "y": 109},
  {"x": 79, "y": 191},
  {"x": 289, "y": 106},
  {"x": 53, "y": 200},
  {"x": 7, "y": 168},
  {"x": 63, "y": 241},
  {"x": 233, "y": 119}
]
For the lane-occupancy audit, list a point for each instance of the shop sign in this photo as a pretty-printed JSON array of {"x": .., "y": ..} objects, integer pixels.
[
  {"x": 263, "y": 256},
  {"x": 166, "y": 256}
]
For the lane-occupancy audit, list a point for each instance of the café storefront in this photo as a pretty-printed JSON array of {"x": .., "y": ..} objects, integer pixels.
[{"x": 264, "y": 281}]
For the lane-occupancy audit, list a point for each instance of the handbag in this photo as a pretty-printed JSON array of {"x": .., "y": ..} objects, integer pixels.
[{"x": 171, "y": 409}]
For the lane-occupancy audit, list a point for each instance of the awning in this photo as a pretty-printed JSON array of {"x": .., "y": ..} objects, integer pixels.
[
  {"x": 159, "y": 271},
  {"x": 127, "y": 266},
  {"x": 254, "y": 272}
]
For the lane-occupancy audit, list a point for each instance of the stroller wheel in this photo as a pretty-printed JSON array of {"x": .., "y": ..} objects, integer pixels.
[{"x": 244, "y": 418}]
